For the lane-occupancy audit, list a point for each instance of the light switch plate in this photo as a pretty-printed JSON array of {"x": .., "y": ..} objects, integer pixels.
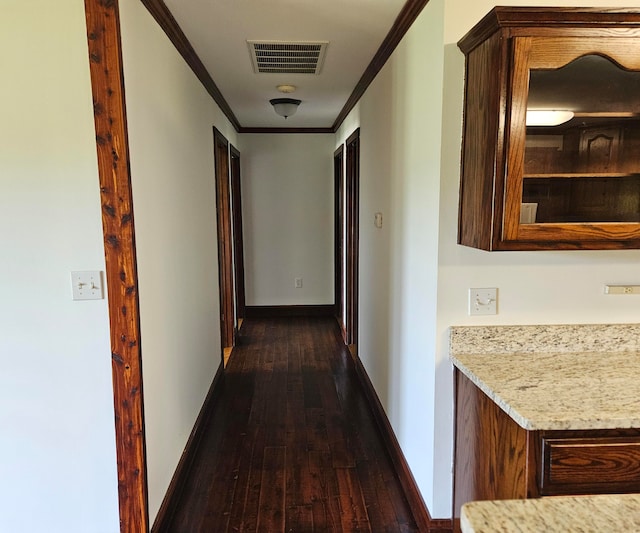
[
  {"x": 87, "y": 285},
  {"x": 483, "y": 301}
]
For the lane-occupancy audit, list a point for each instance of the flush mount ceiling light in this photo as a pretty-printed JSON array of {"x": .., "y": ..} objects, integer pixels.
[
  {"x": 285, "y": 107},
  {"x": 548, "y": 117}
]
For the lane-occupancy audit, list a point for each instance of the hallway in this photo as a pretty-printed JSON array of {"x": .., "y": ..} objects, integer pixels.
[{"x": 291, "y": 445}]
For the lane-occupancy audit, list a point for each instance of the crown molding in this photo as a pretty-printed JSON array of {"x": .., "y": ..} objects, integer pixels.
[
  {"x": 403, "y": 22},
  {"x": 285, "y": 130},
  {"x": 160, "y": 12}
]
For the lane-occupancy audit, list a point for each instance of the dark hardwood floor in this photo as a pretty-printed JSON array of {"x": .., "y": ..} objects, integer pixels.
[{"x": 291, "y": 445}]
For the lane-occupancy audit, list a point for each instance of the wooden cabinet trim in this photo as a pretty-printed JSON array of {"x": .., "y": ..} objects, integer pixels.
[
  {"x": 557, "y": 52},
  {"x": 517, "y": 133},
  {"x": 544, "y": 20},
  {"x": 589, "y": 465}
]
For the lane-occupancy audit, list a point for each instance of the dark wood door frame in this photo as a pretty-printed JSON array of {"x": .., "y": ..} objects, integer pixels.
[
  {"x": 238, "y": 240},
  {"x": 225, "y": 241},
  {"x": 112, "y": 142},
  {"x": 352, "y": 206},
  {"x": 338, "y": 235}
]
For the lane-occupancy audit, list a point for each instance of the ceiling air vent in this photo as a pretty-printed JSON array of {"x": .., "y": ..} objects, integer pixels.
[{"x": 281, "y": 57}]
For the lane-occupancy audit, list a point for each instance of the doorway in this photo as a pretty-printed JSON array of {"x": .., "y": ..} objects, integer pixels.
[
  {"x": 352, "y": 207},
  {"x": 225, "y": 253},
  {"x": 238, "y": 241},
  {"x": 338, "y": 237}
]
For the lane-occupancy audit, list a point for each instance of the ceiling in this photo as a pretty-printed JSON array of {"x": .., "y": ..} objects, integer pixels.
[{"x": 218, "y": 31}]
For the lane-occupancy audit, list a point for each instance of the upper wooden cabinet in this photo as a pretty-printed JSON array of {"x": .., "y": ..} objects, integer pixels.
[{"x": 551, "y": 147}]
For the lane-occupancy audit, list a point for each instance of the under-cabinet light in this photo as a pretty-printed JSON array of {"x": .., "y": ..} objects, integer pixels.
[{"x": 548, "y": 117}]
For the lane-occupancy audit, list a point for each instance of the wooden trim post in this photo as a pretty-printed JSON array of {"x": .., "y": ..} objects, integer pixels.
[{"x": 107, "y": 85}]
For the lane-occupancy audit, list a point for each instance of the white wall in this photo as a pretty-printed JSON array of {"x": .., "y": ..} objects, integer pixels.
[
  {"x": 170, "y": 118},
  {"x": 287, "y": 204},
  {"x": 410, "y": 119},
  {"x": 57, "y": 443},
  {"x": 400, "y": 117}
]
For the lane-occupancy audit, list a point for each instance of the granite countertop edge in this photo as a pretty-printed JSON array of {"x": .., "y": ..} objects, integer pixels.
[
  {"x": 547, "y": 419},
  {"x": 500, "y": 402},
  {"x": 534, "y": 376},
  {"x": 589, "y": 513}
]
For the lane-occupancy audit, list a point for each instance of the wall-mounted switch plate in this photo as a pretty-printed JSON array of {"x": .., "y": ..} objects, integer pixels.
[
  {"x": 483, "y": 301},
  {"x": 87, "y": 285}
]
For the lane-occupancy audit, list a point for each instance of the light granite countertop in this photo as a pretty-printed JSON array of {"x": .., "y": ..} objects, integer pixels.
[
  {"x": 533, "y": 374},
  {"x": 577, "y": 514}
]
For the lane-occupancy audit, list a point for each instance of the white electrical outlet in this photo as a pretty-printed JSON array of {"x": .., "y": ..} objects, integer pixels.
[
  {"x": 298, "y": 283},
  {"x": 483, "y": 301}
]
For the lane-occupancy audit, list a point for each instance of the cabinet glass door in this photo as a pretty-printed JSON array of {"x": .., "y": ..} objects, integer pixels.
[
  {"x": 575, "y": 139},
  {"x": 582, "y": 147}
]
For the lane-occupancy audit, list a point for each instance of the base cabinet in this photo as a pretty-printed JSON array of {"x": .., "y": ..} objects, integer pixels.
[{"x": 496, "y": 459}]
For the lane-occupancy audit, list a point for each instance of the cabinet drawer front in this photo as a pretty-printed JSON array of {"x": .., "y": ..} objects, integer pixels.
[{"x": 582, "y": 466}]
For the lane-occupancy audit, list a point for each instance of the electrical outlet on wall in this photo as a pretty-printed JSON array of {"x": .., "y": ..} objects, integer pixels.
[
  {"x": 298, "y": 283},
  {"x": 622, "y": 289}
]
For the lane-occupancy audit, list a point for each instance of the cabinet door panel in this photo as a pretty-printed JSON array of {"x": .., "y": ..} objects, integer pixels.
[
  {"x": 584, "y": 466},
  {"x": 582, "y": 122}
]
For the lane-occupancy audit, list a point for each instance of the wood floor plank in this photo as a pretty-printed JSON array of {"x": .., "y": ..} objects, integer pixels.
[
  {"x": 216, "y": 510},
  {"x": 376, "y": 498},
  {"x": 298, "y": 488},
  {"x": 326, "y": 495},
  {"x": 339, "y": 442},
  {"x": 316, "y": 426},
  {"x": 276, "y": 411},
  {"x": 271, "y": 508},
  {"x": 240, "y": 488},
  {"x": 299, "y": 519},
  {"x": 250, "y": 511},
  {"x": 291, "y": 445},
  {"x": 354, "y": 511},
  {"x": 312, "y": 396}
]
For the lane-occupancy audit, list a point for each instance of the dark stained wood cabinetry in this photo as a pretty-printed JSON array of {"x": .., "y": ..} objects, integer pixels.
[
  {"x": 574, "y": 465},
  {"x": 496, "y": 459},
  {"x": 551, "y": 146}
]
